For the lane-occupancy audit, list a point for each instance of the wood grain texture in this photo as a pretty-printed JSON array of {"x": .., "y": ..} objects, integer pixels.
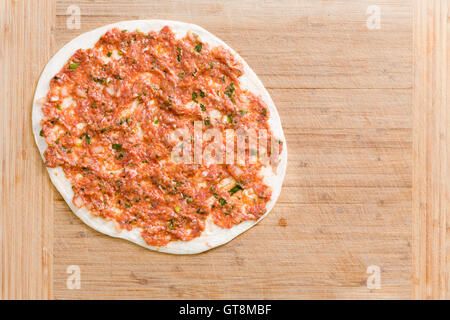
[
  {"x": 365, "y": 113},
  {"x": 344, "y": 96},
  {"x": 26, "y": 211},
  {"x": 431, "y": 150}
]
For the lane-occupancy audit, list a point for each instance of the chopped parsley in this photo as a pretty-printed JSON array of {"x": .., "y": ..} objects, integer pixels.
[
  {"x": 100, "y": 80},
  {"x": 230, "y": 90},
  {"x": 198, "y": 47},
  {"x": 211, "y": 65},
  {"x": 74, "y": 65},
  {"x": 109, "y": 54},
  {"x": 117, "y": 146},
  {"x": 230, "y": 118},
  {"x": 179, "y": 54},
  {"x": 222, "y": 201},
  {"x": 235, "y": 189},
  {"x": 194, "y": 97},
  {"x": 87, "y": 136},
  {"x": 264, "y": 111},
  {"x": 202, "y": 106}
]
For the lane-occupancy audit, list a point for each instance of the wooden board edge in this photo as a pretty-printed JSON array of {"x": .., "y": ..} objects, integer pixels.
[
  {"x": 431, "y": 180},
  {"x": 26, "y": 216}
]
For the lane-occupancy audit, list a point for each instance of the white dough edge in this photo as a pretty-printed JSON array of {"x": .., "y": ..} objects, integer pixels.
[{"x": 212, "y": 236}]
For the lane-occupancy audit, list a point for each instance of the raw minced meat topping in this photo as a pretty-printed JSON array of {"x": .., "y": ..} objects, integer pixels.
[{"x": 109, "y": 120}]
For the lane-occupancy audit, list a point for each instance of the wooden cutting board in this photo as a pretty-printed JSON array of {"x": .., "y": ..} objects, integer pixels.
[{"x": 366, "y": 117}]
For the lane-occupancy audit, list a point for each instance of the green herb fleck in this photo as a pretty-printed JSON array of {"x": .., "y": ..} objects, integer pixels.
[
  {"x": 202, "y": 106},
  {"x": 235, "y": 189},
  {"x": 230, "y": 90},
  {"x": 222, "y": 201},
  {"x": 230, "y": 118},
  {"x": 194, "y": 97},
  {"x": 74, "y": 65},
  {"x": 100, "y": 80},
  {"x": 177, "y": 209},
  {"x": 117, "y": 146},
  {"x": 211, "y": 65},
  {"x": 87, "y": 136},
  {"x": 198, "y": 47},
  {"x": 109, "y": 54}
]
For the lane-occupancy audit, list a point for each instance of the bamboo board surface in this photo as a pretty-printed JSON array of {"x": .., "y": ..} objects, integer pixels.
[{"x": 366, "y": 122}]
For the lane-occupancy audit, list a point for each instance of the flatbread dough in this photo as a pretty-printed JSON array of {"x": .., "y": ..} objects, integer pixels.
[{"x": 212, "y": 236}]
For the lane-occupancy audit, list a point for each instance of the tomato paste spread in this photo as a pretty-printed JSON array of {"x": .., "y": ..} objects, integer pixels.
[{"x": 108, "y": 119}]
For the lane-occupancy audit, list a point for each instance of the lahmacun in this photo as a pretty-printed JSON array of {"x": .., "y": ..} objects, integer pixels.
[{"x": 139, "y": 125}]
